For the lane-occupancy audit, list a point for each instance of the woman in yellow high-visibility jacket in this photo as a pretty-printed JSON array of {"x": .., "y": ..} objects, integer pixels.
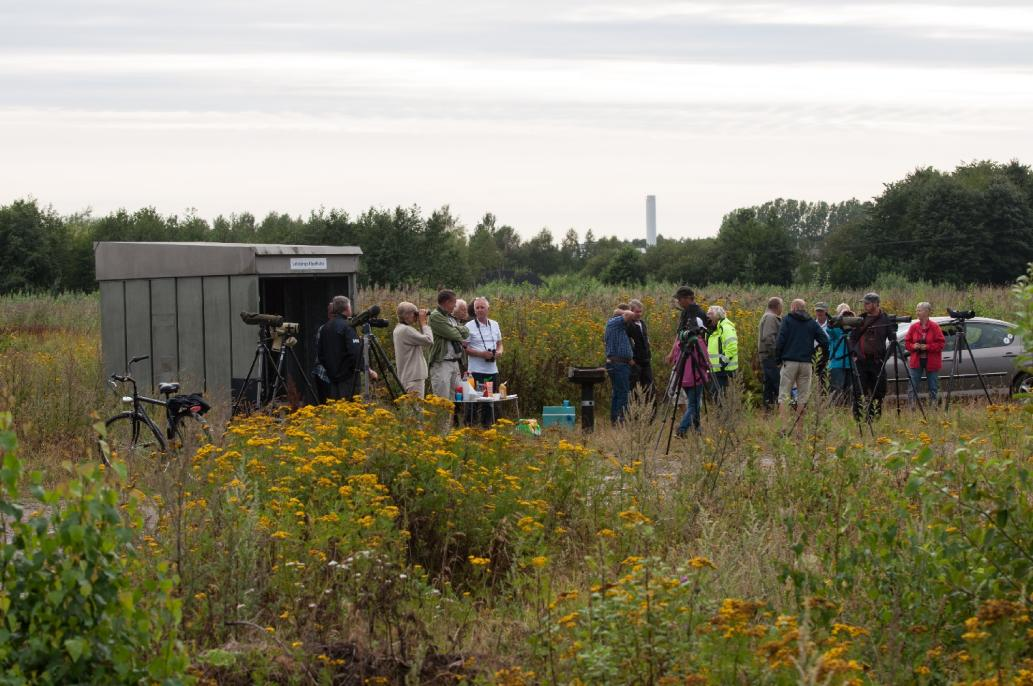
[{"x": 723, "y": 345}]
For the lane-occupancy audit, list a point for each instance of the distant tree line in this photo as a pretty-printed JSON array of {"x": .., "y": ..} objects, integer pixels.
[{"x": 972, "y": 225}]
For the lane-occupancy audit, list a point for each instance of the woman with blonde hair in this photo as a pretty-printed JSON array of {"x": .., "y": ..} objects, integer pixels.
[
  {"x": 410, "y": 347},
  {"x": 840, "y": 379}
]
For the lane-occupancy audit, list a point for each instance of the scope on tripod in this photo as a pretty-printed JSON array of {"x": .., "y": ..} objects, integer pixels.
[
  {"x": 370, "y": 317},
  {"x": 961, "y": 314},
  {"x": 844, "y": 322},
  {"x": 257, "y": 319}
]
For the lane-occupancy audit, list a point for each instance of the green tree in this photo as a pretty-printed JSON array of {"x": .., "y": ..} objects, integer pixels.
[
  {"x": 754, "y": 250},
  {"x": 572, "y": 258},
  {"x": 484, "y": 253},
  {"x": 32, "y": 248},
  {"x": 624, "y": 267}
]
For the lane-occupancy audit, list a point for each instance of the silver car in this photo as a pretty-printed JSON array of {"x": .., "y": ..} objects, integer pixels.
[{"x": 995, "y": 349}]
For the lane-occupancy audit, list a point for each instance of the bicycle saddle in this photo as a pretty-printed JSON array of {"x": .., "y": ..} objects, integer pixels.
[{"x": 168, "y": 387}]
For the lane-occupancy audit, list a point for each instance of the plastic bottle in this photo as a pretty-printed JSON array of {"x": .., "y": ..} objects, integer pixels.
[{"x": 459, "y": 394}]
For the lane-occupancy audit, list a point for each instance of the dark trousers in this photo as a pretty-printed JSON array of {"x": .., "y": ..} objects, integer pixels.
[
  {"x": 483, "y": 413},
  {"x": 873, "y": 390},
  {"x": 642, "y": 379},
  {"x": 717, "y": 388},
  {"x": 771, "y": 380},
  {"x": 341, "y": 390},
  {"x": 821, "y": 371}
]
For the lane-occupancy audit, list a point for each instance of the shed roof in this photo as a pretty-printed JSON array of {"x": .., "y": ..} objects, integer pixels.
[{"x": 148, "y": 260}]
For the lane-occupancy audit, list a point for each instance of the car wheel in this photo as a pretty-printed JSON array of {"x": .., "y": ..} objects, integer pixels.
[{"x": 1023, "y": 384}]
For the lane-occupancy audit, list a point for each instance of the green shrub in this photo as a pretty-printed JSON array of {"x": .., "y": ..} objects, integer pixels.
[{"x": 78, "y": 603}]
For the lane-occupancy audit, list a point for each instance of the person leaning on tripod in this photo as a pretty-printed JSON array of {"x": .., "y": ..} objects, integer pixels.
[
  {"x": 694, "y": 379},
  {"x": 767, "y": 335},
  {"x": 723, "y": 344},
  {"x": 925, "y": 342},
  {"x": 339, "y": 349},
  {"x": 410, "y": 346},
  {"x": 794, "y": 351},
  {"x": 868, "y": 343},
  {"x": 446, "y": 352}
]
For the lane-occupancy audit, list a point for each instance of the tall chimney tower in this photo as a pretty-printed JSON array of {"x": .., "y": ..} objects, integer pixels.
[{"x": 650, "y": 220}]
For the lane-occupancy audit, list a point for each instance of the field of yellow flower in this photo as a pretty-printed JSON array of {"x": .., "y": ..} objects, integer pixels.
[{"x": 361, "y": 543}]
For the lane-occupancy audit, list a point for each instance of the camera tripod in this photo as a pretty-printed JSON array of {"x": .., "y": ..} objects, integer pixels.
[
  {"x": 687, "y": 349},
  {"x": 880, "y": 377},
  {"x": 270, "y": 386},
  {"x": 961, "y": 343},
  {"x": 371, "y": 349}
]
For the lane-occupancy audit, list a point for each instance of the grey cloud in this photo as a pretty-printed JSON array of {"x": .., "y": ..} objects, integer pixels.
[{"x": 496, "y": 30}]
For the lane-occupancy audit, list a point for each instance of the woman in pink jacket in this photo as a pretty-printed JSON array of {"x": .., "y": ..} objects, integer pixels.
[
  {"x": 693, "y": 381},
  {"x": 925, "y": 341}
]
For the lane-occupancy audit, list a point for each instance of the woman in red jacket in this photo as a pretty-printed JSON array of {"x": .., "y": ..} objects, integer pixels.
[{"x": 925, "y": 342}]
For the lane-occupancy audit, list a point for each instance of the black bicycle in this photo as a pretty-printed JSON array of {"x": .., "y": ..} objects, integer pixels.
[{"x": 134, "y": 432}]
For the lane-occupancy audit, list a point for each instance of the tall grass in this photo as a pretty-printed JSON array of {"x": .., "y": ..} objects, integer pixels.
[{"x": 50, "y": 368}]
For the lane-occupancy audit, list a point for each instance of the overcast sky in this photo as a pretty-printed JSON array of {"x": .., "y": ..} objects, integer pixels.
[{"x": 554, "y": 114}]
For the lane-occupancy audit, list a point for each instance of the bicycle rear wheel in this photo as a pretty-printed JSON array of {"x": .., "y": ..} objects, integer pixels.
[
  {"x": 191, "y": 432},
  {"x": 129, "y": 435}
]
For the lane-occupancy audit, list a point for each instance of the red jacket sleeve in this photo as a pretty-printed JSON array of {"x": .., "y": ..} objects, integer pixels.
[
  {"x": 935, "y": 339},
  {"x": 911, "y": 337}
]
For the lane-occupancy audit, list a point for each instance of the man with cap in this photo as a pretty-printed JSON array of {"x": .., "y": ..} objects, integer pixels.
[
  {"x": 868, "y": 345},
  {"x": 821, "y": 361},
  {"x": 690, "y": 311}
]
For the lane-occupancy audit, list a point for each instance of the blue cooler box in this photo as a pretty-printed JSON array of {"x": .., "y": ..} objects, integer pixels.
[{"x": 558, "y": 415}]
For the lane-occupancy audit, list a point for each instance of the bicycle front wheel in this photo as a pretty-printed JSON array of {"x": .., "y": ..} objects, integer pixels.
[{"x": 130, "y": 435}]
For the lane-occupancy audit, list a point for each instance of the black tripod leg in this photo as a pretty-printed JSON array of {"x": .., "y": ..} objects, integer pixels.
[
  {"x": 896, "y": 376},
  {"x": 953, "y": 378},
  {"x": 304, "y": 377},
  {"x": 387, "y": 370},
  {"x": 247, "y": 381},
  {"x": 674, "y": 416},
  {"x": 978, "y": 373}
]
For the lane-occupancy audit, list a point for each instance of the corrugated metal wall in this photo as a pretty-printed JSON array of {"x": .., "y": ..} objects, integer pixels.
[{"x": 189, "y": 326}]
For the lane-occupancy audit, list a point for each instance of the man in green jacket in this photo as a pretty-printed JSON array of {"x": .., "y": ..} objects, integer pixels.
[{"x": 447, "y": 350}]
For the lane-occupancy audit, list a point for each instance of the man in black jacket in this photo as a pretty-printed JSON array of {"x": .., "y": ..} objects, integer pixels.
[
  {"x": 794, "y": 351},
  {"x": 642, "y": 370},
  {"x": 868, "y": 344},
  {"x": 339, "y": 350}
]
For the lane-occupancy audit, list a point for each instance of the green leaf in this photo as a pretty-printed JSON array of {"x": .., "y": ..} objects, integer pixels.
[
  {"x": 76, "y": 647},
  {"x": 217, "y": 657}
]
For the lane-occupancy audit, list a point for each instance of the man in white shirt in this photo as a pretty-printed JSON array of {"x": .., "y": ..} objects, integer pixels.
[{"x": 484, "y": 346}]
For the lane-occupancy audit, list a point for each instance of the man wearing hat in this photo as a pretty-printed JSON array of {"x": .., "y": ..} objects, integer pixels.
[
  {"x": 821, "y": 362},
  {"x": 868, "y": 344},
  {"x": 690, "y": 311}
]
